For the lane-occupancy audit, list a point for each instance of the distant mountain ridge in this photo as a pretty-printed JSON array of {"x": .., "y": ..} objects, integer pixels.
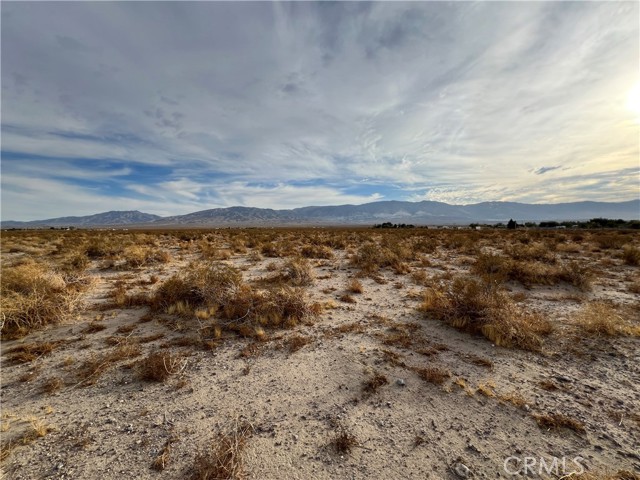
[
  {"x": 113, "y": 218},
  {"x": 419, "y": 213}
]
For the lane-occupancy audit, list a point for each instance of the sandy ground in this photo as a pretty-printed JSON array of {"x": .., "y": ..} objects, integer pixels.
[{"x": 297, "y": 401}]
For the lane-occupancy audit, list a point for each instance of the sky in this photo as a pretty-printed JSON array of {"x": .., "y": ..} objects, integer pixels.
[{"x": 171, "y": 108}]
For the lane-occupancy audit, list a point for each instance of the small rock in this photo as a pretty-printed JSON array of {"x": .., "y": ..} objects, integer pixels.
[
  {"x": 461, "y": 470},
  {"x": 400, "y": 382}
]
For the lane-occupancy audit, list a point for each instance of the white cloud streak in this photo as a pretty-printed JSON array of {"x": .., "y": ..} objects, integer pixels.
[{"x": 446, "y": 101}]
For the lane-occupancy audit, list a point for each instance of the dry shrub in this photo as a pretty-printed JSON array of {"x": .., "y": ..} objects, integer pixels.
[
  {"x": 162, "y": 459},
  {"x": 537, "y": 252},
  {"x": 344, "y": 441},
  {"x": 296, "y": 342},
  {"x": 32, "y": 295},
  {"x": 317, "y": 251},
  {"x": 436, "y": 375},
  {"x": 298, "y": 272},
  {"x": 514, "y": 398},
  {"x": 354, "y": 286},
  {"x": 602, "y": 319},
  {"x": 477, "y": 307},
  {"x": 204, "y": 285},
  {"x": 120, "y": 297},
  {"x": 371, "y": 385},
  {"x": 52, "y": 385},
  {"x": 96, "y": 365},
  {"x": 495, "y": 268},
  {"x": 223, "y": 460},
  {"x": 76, "y": 262},
  {"x": 371, "y": 257},
  {"x": 609, "y": 241},
  {"x": 270, "y": 249},
  {"x": 136, "y": 256},
  {"x": 631, "y": 255},
  {"x": 220, "y": 289},
  {"x": 102, "y": 247},
  {"x": 31, "y": 351},
  {"x": 159, "y": 366},
  {"x": 346, "y": 298},
  {"x": 425, "y": 245},
  {"x": 556, "y": 421}
]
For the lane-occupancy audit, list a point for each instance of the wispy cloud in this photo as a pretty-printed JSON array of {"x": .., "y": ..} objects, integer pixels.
[{"x": 175, "y": 107}]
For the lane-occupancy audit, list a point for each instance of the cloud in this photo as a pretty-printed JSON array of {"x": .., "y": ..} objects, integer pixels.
[
  {"x": 543, "y": 170},
  {"x": 442, "y": 100}
]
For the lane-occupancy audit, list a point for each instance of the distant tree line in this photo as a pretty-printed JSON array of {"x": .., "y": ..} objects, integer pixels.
[{"x": 589, "y": 224}]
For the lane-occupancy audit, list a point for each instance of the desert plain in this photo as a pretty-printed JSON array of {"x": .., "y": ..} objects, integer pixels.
[{"x": 323, "y": 353}]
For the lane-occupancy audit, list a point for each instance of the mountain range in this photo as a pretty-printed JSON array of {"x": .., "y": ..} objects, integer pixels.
[{"x": 418, "y": 213}]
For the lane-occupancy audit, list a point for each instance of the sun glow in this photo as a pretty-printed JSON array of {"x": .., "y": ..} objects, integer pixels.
[{"x": 633, "y": 101}]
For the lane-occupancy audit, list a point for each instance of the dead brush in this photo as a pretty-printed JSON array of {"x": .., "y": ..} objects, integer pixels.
[
  {"x": 223, "y": 459},
  {"x": 317, "y": 251},
  {"x": 631, "y": 255},
  {"x": 296, "y": 342},
  {"x": 298, "y": 272},
  {"x": 557, "y": 421},
  {"x": 204, "y": 285},
  {"x": 354, "y": 286},
  {"x": 373, "y": 384},
  {"x": 435, "y": 375},
  {"x": 29, "y": 352},
  {"x": 162, "y": 459},
  {"x": 96, "y": 365},
  {"x": 52, "y": 385},
  {"x": 603, "y": 319},
  {"x": 371, "y": 257},
  {"x": 344, "y": 441},
  {"x": 159, "y": 366},
  {"x": 33, "y": 295},
  {"x": 481, "y": 308}
]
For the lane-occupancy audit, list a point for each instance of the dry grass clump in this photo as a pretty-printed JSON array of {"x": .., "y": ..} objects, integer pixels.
[
  {"x": 96, "y": 365},
  {"x": 298, "y": 272},
  {"x": 220, "y": 290},
  {"x": 103, "y": 247},
  {"x": 494, "y": 268},
  {"x": 477, "y": 307},
  {"x": 29, "y": 352},
  {"x": 33, "y": 295},
  {"x": 631, "y": 255},
  {"x": 162, "y": 459},
  {"x": 371, "y": 257},
  {"x": 435, "y": 375},
  {"x": 136, "y": 256},
  {"x": 373, "y": 384},
  {"x": 603, "y": 319},
  {"x": 536, "y": 252},
  {"x": 355, "y": 286},
  {"x": 514, "y": 398},
  {"x": 203, "y": 285},
  {"x": 121, "y": 297},
  {"x": 223, "y": 459},
  {"x": 317, "y": 251},
  {"x": 609, "y": 241},
  {"x": 556, "y": 421},
  {"x": 296, "y": 342},
  {"x": 344, "y": 441},
  {"x": 38, "y": 429},
  {"x": 159, "y": 366},
  {"x": 52, "y": 385}
]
